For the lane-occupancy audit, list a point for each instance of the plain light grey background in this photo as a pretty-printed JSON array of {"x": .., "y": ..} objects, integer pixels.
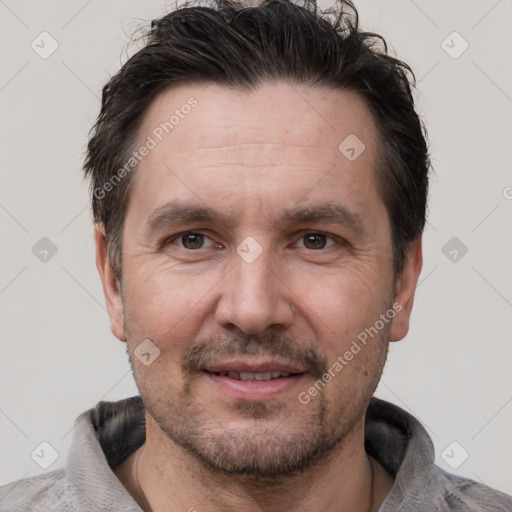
[{"x": 58, "y": 356}]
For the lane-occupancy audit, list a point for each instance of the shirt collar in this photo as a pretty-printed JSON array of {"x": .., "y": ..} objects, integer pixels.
[
  {"x": 110, "y": 432},
  {"x": 102, "y": 438}
]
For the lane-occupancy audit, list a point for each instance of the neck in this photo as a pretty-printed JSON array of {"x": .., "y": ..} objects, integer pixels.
[{"x": 163, "y": 476}]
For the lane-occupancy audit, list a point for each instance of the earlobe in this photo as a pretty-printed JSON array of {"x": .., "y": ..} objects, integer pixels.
[
  {"x": 111, "y": 287},
  {"x": 406, "y": 288}
]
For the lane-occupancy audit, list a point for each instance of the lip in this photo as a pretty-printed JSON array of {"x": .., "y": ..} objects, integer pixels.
[
  {"x": 253, "y": 365},
  {"x": 254, "y": 390}
]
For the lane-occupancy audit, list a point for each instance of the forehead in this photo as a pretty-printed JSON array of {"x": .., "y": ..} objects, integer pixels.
[
  {"x": 221, "y": 143},
  {"x": 274, "y": 112}
]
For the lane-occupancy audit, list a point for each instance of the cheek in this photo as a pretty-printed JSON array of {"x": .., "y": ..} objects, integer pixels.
[
  {"x": 346, "y": 298},
  {"x": 165, "y": 304},
  {"x": 342, "y": 305},
  {"x": 350, "y": 334}
]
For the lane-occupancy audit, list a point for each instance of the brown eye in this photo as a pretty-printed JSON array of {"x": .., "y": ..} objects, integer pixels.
[
  {"x": 189, "y": 241},
  {"x": 315, "y": 241},
  {"x": 192, "y": 240}
]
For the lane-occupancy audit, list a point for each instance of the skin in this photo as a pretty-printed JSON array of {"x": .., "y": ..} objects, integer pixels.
[{"x": 255, "y": 156}]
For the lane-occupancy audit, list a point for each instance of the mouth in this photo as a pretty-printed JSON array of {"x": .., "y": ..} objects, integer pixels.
[
  {"x": 254, "y": 380},
  {"x": 245, "y": 376}
]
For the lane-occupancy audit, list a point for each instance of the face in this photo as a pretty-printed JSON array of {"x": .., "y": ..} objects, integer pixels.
[{"x": 256, "y": 256}]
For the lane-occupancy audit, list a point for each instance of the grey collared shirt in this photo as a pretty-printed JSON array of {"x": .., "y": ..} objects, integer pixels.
[{"x": 106, "y": 435}]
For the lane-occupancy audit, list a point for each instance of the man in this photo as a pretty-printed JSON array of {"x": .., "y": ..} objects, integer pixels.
[{"x": 259, "y": 184}]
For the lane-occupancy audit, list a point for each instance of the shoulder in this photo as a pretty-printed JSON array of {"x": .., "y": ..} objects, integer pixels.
[
  {"x": 50, "y": 491},
  {"x": 458, "y": 494}
]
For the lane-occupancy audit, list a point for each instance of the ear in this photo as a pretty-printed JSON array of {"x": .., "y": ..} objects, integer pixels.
[
  {"x": 406, "y": 288},
  {"x": 111, "y": 286}
]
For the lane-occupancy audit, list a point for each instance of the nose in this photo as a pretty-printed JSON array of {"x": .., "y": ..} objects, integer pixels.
[{"x": 254, "y": 297}]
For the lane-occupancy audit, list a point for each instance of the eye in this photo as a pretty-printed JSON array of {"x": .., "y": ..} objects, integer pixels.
[
  {"x": 316, "y": 241},
  {"x": 190, "y": 240}
]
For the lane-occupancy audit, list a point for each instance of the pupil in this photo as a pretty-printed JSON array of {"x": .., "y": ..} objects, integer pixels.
[
  {"x": 192, "y": 241},
  {"x": 317, "y": 241}
]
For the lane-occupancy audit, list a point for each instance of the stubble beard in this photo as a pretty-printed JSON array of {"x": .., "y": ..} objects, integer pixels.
[{"x": 276, "y": 443}]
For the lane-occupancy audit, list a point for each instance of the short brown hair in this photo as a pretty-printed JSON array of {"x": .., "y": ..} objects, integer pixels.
[{"x": 240, "y": 46}]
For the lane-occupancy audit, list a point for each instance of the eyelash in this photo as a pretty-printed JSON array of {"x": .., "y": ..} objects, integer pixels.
[{"x": 173, "y": 238}]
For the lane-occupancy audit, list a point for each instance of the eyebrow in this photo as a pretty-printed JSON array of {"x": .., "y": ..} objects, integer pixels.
[
  {"x": 326, "y": 212},
  {"x": 177, "y": 212}
]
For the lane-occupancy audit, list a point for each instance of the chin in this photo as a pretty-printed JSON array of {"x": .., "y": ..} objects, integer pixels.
[{"x": 261, "y": 440}]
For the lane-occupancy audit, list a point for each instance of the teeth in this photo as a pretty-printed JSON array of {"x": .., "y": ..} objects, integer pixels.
[
  {"x": 262, "y": 376},
  {"x": 253, "y": 376}
]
